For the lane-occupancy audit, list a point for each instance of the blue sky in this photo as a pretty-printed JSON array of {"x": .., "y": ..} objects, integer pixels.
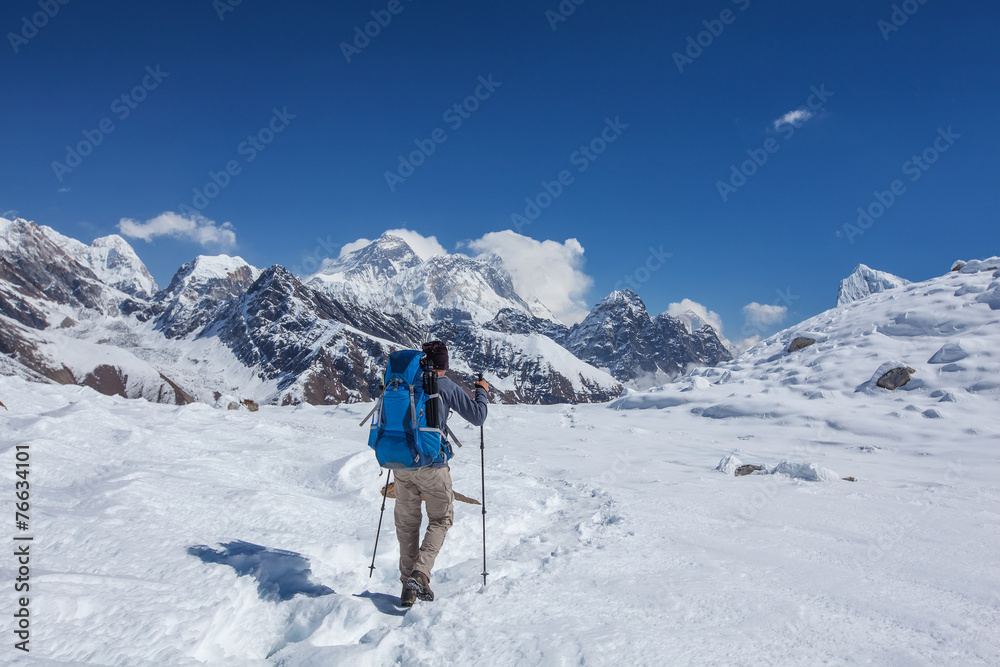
[{"x": 199, "y": 77}]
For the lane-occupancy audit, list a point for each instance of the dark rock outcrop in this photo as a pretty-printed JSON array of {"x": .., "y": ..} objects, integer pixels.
[
  {"x": 620, "y": 336},
  {"x": 895, "y": 378},
  {"x": 800, "y": 342}
]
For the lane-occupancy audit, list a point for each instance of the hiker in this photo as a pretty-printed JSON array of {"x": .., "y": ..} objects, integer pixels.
[{"x": 416, "y": 559}]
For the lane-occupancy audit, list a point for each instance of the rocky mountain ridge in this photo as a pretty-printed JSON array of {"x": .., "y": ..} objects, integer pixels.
[{"x": 93, "y": 315}]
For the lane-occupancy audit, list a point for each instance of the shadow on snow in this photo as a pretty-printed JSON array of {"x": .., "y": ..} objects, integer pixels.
[
  {"x": 280, "y": 574},
  {"x": 387, "y": 604}
]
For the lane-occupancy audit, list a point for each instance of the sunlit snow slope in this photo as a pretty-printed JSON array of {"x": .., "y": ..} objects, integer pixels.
[{"x": 612, "y": 536}]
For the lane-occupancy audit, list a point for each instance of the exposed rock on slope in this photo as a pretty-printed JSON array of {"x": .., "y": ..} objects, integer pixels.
[{"x": 620, "y": 336}]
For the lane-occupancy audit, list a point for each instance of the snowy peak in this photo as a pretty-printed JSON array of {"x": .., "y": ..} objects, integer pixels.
[
  {"x": 209, "y": 276},
  {"x": 206, "y": 268},
  {"x": 626, "y": 297},
  {"x": 199, "y": 290},
  {"x": 116, "y": 263},
  {"x": 388, "y": 275},
  {"x": 38, "y": 263},
  {"x": 476, "y": 289},
  {"x": 620, "y": 303},
  {"x": 691, "y": 320},
  {"x": 865, "y": 281},
  {"x": 377, "y": 262},
  {"x": 619, "y": 335},
  {"x": 542, "y": 312},
  {"x": 110, "y": 258}
]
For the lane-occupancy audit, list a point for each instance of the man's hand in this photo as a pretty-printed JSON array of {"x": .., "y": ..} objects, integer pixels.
[{"x": 484, "y": 384}]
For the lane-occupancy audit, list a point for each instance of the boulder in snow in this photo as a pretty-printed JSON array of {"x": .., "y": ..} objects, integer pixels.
[
  {"x": 800, "y": 342},
  {"x": 895, "y": 378},
  {"x": 979, "y": 265}
]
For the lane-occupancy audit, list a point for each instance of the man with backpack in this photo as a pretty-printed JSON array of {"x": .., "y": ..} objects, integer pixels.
[{"x": 432, "y": 483}]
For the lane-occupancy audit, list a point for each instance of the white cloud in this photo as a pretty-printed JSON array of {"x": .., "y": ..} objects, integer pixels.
[
  {"x": 549, "y": 271},
  {"x": 742, "y": 346},
  {"x": 694, "y": 316},
  {"x": 195, "y": 228},
  {"x": 685, "y": 308},
  {"x": 795, "y": 117},
  {"x": 348, "y": 248},
  {"x": 425, "y": 246},
  {"x": 760, "y": 316}
]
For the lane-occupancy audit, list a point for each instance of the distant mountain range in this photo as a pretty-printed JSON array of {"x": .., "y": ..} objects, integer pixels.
[{"x": 223, "y": 330}]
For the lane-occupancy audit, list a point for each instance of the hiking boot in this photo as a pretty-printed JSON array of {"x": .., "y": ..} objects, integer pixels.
[
  {"x": 419, "y": 583},
  {"x": 407, "y": 597}
]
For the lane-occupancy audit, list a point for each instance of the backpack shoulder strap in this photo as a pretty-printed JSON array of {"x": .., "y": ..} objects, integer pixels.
[
  {"x": 451, "y": 434},
  {"x": 378, "y": 403}
]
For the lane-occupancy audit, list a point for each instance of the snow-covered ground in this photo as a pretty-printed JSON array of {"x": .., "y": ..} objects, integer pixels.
[{"x": 615, "y": 536}]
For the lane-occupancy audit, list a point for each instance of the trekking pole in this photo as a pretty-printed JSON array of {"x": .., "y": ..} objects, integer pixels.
[
  {"x": 385, "y": 492},
  {"x": 482, "y": 459}
]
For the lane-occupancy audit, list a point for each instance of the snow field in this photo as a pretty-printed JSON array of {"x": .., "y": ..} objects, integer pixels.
[{"x": 612, "y": 539}]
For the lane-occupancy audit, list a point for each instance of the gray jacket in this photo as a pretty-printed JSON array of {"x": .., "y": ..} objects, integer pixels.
[{"x": 455, "y": 398}]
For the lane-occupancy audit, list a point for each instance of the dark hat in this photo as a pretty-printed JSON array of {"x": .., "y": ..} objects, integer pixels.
[{"x": 437, "y": 354}]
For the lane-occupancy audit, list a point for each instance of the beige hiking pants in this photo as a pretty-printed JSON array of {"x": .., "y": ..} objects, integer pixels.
[{"x": 435, "y": 485}]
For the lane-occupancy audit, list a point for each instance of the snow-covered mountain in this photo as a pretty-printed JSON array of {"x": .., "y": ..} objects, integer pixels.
[
  {"x": 112, "y": 260},
  {"x": 943, "y": 329},
  {"x": 37, "y": 265},
  {"x": 51, "y": 286},
  {"x": 387, "y": 274},
  {"x": 198, "y": 292},
  {"x": 92, "y": 314},
  {"x": 620, "y": 336},
  {"x": 864, "y": 282}
]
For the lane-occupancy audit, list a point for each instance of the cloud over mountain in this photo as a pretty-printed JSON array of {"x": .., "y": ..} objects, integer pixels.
[{"x": 195, "y": 228}]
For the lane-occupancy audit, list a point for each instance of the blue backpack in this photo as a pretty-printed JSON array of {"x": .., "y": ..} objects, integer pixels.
[{"x": 401, "y": 434}]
